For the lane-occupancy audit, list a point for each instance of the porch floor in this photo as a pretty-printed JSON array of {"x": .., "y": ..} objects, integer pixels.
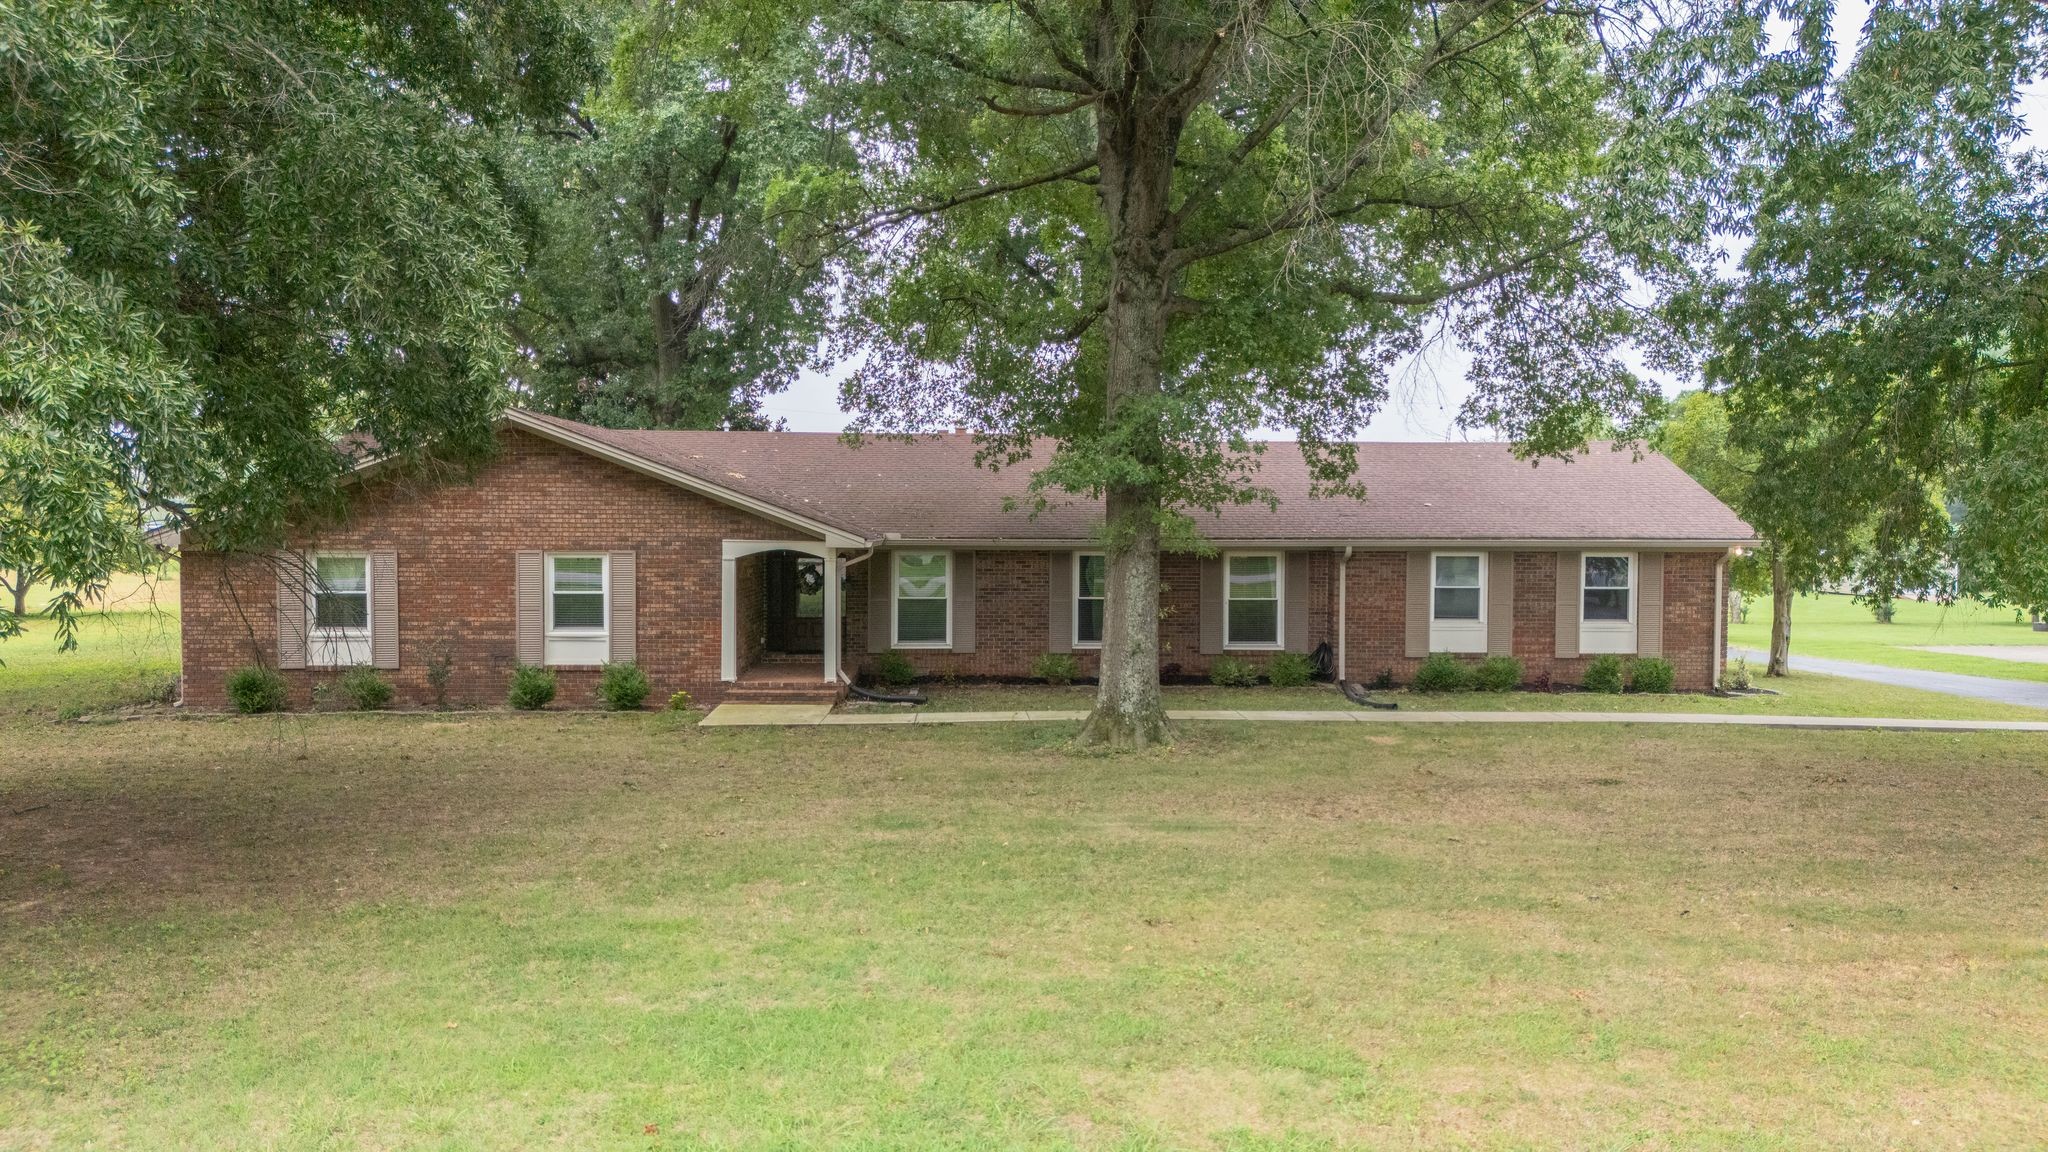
[{"x": 776, "y": 678}]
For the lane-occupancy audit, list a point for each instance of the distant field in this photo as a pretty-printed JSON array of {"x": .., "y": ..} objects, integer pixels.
[
  {"x": 127, "y": 653},
  {"x": 1838, "y": 628}
]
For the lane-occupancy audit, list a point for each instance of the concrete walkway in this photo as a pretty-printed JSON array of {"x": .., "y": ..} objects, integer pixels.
[
  {"x": 819, "y": 715},
  {"x": 2033, "y": 693}
]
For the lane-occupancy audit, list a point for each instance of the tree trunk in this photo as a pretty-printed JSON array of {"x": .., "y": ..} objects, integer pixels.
[
  {"x": 1781, "y": 618},
  {"x": 1137, "y": 135},
  {"x": 1128, "y": 710},
  {"x": 22, "y": 579}
]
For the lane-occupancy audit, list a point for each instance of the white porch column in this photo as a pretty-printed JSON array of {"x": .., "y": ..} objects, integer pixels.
[
  {"x": 831, "y": 616},
  {"x": 729, "y": 619}
]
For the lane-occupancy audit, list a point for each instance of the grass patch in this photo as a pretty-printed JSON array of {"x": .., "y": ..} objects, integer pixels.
[
  {"x": 1838, "y": 628},
  {"x": 609, "y": 931},
  {"x": 122, "y": 658}
]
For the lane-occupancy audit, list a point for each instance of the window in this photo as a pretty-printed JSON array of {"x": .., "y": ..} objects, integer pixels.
[
  {"x": 924, "y": 589},
  {"x": 341, "y": 593},
  {"x": 1606, "y": 590},
  {"x": 1091, "y": 585},
  {"x": 1457, "y": 593},
  {"x": 576, "y": 588},
  {"x": 1251, "y": 616}
]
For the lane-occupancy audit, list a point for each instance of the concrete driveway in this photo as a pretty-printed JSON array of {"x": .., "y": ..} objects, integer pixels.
[{"x": 2029, "y": 692}]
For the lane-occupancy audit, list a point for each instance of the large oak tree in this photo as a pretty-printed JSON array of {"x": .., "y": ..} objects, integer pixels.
[{"x": 1146, "y": 228}]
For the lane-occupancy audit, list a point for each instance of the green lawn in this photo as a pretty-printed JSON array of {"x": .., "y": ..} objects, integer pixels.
[
  {"x": 1804, "y": 694},
  {"x": 122, "y": 658},
  {"x": 1838, "y": 628},
  {"x": 588, "y": 931}
]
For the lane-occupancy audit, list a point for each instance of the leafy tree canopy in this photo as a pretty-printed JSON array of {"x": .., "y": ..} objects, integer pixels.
[
  {"x": 232, "y": 233},
  {"x": 660, "y": 289}
]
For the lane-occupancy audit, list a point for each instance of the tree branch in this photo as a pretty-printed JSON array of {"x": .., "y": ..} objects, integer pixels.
[
  {"x": 1366, "y": 295},
  {"x": 1074, "y": 105},
  {"x": 894, "y": 216},
  {"x": 1040, "y": 81}
]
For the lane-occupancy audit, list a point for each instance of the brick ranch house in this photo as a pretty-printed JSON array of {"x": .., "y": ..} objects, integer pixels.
[{"x": 708, "y": 558}]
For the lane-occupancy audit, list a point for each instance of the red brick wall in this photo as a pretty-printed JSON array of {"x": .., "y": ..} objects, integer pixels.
[
  {"x": 1377, "y": 635},
  {"x": 455, "y": 547},
  {"x": 1012, "y": 615}
]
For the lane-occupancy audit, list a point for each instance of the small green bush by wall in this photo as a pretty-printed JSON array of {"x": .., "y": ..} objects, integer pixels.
[
  {"x": 622, "y": 687},
  {"x": 1651, "y": 675},
  {"x": 894, "y": 669},
  {"x": 1290, "y": 670},
  {"x": 1233, "y": 672},
  {"x": 1056, "y": 668},
  {"x": 679, "y": 701},
  {"x": 1442, "y": 672},
  {"x": 365, "y": 689},
  {"x": 1604, "y": 674},
  {"x": 254, "y": 690},
  {"x": 1497, "y": 674},
  {"x": 532, "y": 688}
]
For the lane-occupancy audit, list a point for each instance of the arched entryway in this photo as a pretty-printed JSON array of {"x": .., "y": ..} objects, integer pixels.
[{"x": 781, "y": 613}]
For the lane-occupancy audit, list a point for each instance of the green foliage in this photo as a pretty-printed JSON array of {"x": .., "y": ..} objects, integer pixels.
[
  {"x": 252, "y": 690},
  {"x": 894, "y": 669},
  {"x": 679, "y": 701},
  {"x": 1233, "y": 672},
  {"x": 1056, "y": 668},
  {"x": 657, "y": 216},
  {"x": 622, "y": 687},
  {"x": 233, "y": 232},
  {"x": 365, "y": 688},
  {"x": 1605, "y": 674},
  {"x": 1290, "y": 670},
  {"x": 1651, "y": 674},
  {"x": 1737, "y": 675},
  {"x": 440, "y": 662},
  {"x": 532, "y": 688},
  {"x": 1497, "y": 674},
  {"x": 1442, "y": 672}
]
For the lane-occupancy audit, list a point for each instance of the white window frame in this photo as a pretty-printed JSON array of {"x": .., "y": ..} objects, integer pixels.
[
  {"x": 896, "y": 598},
  {"x": 1601, "y": 636},
  {"x": 1279, "y": 640},
  {"x": 339, "y": 647},
  {"x": 1078, "y": 642},
  {"x": 575, "y": 647},
  {"x": 1462, "y": 636}
]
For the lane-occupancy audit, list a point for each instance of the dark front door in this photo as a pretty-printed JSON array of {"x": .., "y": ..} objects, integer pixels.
[{"x": 796, "y": 603}]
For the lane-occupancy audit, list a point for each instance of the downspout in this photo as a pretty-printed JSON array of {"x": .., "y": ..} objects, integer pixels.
[
  {"x": 1720, "y": 623},
  {"x": 1343, "y": 617},
  {"x": 850, "y": 562}
]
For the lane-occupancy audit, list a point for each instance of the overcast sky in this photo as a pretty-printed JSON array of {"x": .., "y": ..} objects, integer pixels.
[{"x": 1428, "y": 388}]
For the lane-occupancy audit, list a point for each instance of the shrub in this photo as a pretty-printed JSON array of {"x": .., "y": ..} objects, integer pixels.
[
  {"x": 1233, "y": 672},
  {"x": 1442, "y": 672},
  {"x": 622, "y": 686},
  {"x": 364, "y": 688},
  {"x": 1384, "y": 682},
  {"x": 440, "y": 673},
  {"x": 894, "y": 669},
  {"x": 679, "y": 702},
  {"x": 1290, "y": 670},
  {"x": 1497, "y": 674},
  {"x": 532, "y": 687},
  {"x": 1603, "y": 674},
  {"x": 1056, "y": 668},
  {"x": 1651, "y": 675},
  {"x": 1737, "y": 676},
  {"x": 254, "y": 690}
]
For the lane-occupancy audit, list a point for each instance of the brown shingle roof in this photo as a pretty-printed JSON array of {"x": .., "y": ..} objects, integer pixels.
[{"x": 930, "y": 489}]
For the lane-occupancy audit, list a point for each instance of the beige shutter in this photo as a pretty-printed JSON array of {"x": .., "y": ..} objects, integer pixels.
[
  {"x": 881, "y": 617},
  {"x": 625, "y": 606},
  {"x": 1569, "y": 574},
  {"x": 291, "y": 608},
  {"x": 529, "y": 646},
  {"x": 963, "y": 601},
  {"x": 1500, "y": 603},
  {"x": 1210, "y": 611},
  {"x": 1418, "y": 604},
  {"x": 1059, "y": 605},
  {"x": 384, "y": 609},
  {"x": 1650, "y": 604},
  {"x": 1294, "y": 630}
]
